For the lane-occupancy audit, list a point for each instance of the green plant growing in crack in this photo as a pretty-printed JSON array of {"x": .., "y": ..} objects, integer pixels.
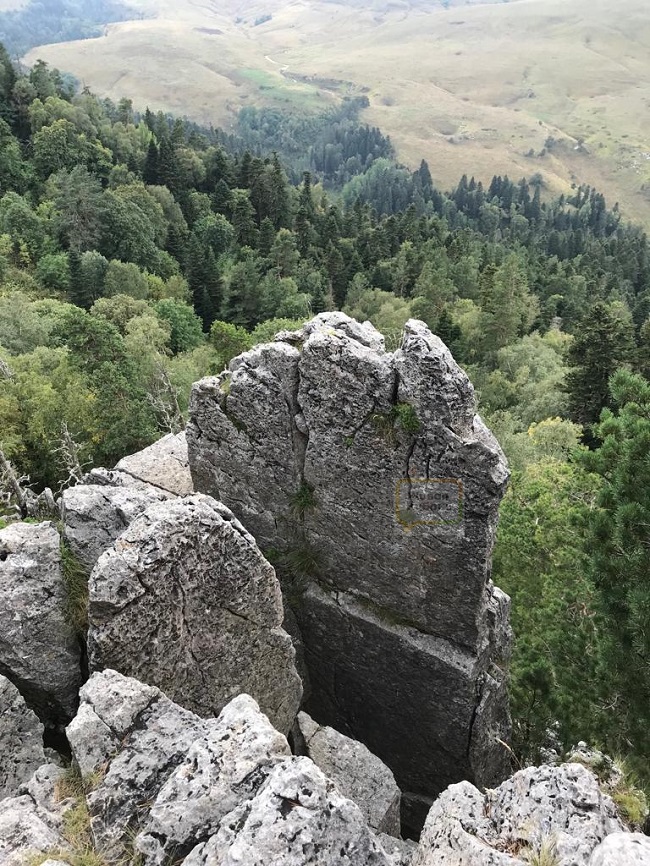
[
  {"x": 401, "y": 416},
  {"x": 225, "y": 383},
  {"x": 406, "y": 417},
  {"x": 76, "y": 831},
  {"x": 75, "y": 579},
  {"x": 542, "y": 854},
  {"x": 303, "y": 500}
]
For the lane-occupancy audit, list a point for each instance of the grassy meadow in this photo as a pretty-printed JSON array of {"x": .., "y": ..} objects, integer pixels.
[{"x": 559, "y": 87}]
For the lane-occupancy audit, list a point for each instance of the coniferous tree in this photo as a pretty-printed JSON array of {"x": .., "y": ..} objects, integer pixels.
[
  {"x": 603, "y": 344},
  {"x": 619, "y": 550}
]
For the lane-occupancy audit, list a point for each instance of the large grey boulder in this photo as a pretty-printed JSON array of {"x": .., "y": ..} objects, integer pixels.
[
  {"x": 21, "y": 740},
  {"x": 186, "y": 601},
  {"x": 39, "y": 651},
  {"x": 164, "y": 465},
  {"x": 622, "y": 849},
  {"x": 356, "y": 772},
  {"x": 95, "y": 515},
  {"x": 377, "y": 486},
  {"x": 561, "y": 807},
  {"x": 298, "y": 818}
]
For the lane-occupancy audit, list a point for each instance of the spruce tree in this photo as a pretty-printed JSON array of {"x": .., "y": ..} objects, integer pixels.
[{"x": 603, "y": 344}]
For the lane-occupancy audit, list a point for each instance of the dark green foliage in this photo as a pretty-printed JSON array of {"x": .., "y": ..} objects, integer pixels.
[
  {"x": 186, "y": 330},
  {"x": 39, "y": 22},
  {"x": 540, "y": 561},
  {"x": 619, "y": 558},
  {"x": 604, "y": 343}
]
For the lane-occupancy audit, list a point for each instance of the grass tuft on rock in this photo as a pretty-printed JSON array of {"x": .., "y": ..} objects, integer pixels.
[{"x": 75, "y": 579}]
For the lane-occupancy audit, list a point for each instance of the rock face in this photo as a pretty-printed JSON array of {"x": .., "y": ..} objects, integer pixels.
[
  {"x": 39, "y": 652},
  {"x": 561, "y": 807},
  {"x": 163, "y": 464},
  {"x": 356, "y": 772},
  {"x": 186, "y": 601},
  {"x": 371, "y": 477},
  {"x": 218, "y": 791},
  {"x": 297, "y": 818},
  {"x": 21, "y": 740},
  {"x": 95, "y": 515},
  {"x": 622, "y": 849}
]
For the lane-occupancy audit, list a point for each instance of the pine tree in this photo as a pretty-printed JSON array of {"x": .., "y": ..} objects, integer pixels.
[
  {"x": 603, "y": 344},
  {"x": 150, "y": 173},
  {"x": 204, "y": 281},
  {"x": 619, "y": 548}
]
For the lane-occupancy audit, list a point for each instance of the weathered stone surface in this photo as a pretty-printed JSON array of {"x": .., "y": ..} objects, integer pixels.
[
  {"x": 39, "y": 652},
  {"x": 371, "y": 471},
  {"x": 169, "y": 784},
  {"x": 400, "y": 852},
  {"x": 163, "y": 464},
  {"x": 31, "y": 823},
  {"x": 298, "y": 818},
  {"x": 95, "y": 515},
  {"x": 113, "y": 478},
  {"x": 356, "y": 772},
  {"x": 185, "y": 601},
  {"x": 622, "y": 849},
  {"x": 562, "y": 806},
  {"x": 21, "y": 740},
  {"x": 132, "y": 737},
  {"x": 432, "y": 682},
  {"x": 222, "y": 769}
]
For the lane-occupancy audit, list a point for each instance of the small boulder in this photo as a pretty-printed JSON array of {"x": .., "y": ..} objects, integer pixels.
[
  {"x": 186, "y": 601},
  {"x": 222, "y": 769},
  {"x": 356, "y": 772},
  {"x": 21, "y": 740},
  {"x": 31, "y": 823},
  {"x": 39, "y": 651},
  {"x": 129, "y": 737},
  {"x": 95, "y": 515}
]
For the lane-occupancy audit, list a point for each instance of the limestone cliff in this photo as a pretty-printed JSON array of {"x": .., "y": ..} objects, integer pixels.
[{"x": 374, "y": 485}]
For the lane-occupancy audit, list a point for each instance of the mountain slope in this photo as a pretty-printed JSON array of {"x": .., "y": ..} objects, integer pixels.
[{"x": 479, "y": 88}]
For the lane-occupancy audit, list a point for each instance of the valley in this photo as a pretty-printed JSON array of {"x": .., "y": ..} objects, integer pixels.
[{"x": 555, "y": 87}]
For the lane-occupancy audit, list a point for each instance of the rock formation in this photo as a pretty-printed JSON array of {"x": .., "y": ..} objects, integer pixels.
[
  {"x": 186, "y": 601},
  {"x": 21, "y": 740},
  {"x": 156, "y": 784},
  {"x": 163, "y": 464},
  {"x": 356, "y": 772},
  {"x": 95, "y": 515},
  {"x": 39, "y": 651},
  {"x": 207, "y": 791},
  {"x": 376, "y": 487},
  {"x": 560, "y": 807}
]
